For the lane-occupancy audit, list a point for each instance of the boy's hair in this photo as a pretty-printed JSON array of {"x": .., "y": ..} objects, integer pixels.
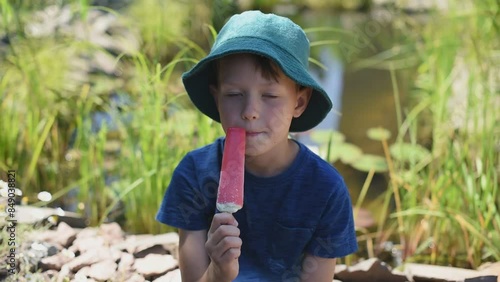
[{"x": 268, "y": 69}]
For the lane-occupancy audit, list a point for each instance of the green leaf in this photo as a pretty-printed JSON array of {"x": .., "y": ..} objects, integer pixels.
[
  {"x": 407, "y": 152},
  {"x": 368, "y": 162},
  {"x": 348, "y": 152},
  {"x": 378, "y": 133},
  {"x": 323, "y": 136}
]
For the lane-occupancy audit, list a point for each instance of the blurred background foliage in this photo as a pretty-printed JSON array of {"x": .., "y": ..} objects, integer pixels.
[{"x": 93, "y": 110}]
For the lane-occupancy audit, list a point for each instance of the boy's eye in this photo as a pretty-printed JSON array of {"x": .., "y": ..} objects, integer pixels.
[
  {"x": 233, "y": 94},
  {"x": 269, "y": 95}
]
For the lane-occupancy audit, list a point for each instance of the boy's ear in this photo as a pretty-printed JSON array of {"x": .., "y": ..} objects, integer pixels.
[
  {"x": 303, "y": 97},
  {"x": 213, "y": 91}
]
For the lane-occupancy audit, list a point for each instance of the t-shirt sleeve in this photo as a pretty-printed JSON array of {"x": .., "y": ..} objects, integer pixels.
[
  {"x": 184, "y": 205},
  {"x": 335, "y": 235}
]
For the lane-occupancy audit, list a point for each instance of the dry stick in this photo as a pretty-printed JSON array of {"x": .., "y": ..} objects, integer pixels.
[
  {"x": 396, "y": 191},
  {"x": 359, "y": 202}
]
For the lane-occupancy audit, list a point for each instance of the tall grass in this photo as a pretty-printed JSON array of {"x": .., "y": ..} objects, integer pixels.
[
  {"x": 450, "y": 199},
  {"x": 34, "y": 112},
  {"x": 120, "y": 170}
]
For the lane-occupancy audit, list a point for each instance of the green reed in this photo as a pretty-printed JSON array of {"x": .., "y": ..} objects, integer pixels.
[
  {"x": 44, "y": 107},
  {"x": 33, "y": 113},
  {"x": 449, "y": 210}
]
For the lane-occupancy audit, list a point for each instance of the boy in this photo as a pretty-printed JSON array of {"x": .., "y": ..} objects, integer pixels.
[{"x": 297, "y": 214}]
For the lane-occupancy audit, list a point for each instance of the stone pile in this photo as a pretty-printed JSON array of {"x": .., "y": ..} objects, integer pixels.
[
  {"x": 101, "y": 254},
  {"x": 106, "y": 253}
]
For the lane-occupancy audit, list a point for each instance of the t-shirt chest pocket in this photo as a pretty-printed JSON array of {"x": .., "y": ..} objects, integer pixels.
[{"x": 287, "y": 245}]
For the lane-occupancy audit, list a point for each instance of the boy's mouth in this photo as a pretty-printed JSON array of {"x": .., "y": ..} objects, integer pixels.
[{"x": 253, "y": 133}]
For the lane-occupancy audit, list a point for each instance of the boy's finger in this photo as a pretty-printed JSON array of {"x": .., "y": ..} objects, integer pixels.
[
  {"x": 228, "y": 247},
  {"x": 223, "y": 232},
  {"x": 222, "y": 219}
]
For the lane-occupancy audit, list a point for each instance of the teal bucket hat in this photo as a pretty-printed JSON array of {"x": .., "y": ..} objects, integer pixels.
[{"x": 269, "y": 35}]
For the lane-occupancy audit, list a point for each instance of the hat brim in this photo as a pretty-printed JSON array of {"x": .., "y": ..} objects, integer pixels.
[{"x": 196, "y": 81}]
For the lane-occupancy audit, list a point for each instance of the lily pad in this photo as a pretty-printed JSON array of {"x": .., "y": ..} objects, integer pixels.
[
  {"x": 378, "y": 133},
  {"x": 322, "y": 136},
  {"x": 347, "y": 152},
  {"x": 407, "y": 152},
  {"x": 368, "y": 162},
  {"x": 333, "y": 155}
]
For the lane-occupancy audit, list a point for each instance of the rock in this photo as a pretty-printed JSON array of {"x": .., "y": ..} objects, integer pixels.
[
  {"x": 369, "y": 270},
  {"x": 34, "y": 215},
  {"x": 82, "y": 273},
  {"x": 426, "y": 272},
  {"x": 135, "y": 278},
  {"x": 126, "y": 262},
  {"x": 490, "y": 269},
  {"x": 64, "y": 274},
  {"x": 489, "y": 278},
  {"x": 131, "y": 242},
  {"x": 56, "y": 261},
  {"x": 80, "y": 245},
  {"x": 172, "y": 276},
  {"x": 64, "y": 235},
  {"x": 35, "y": 252},
  {"x": 142, "y": 244},
  {"x": 91, "y": 257},
  {"x": 112, "y": 233},
  {"x": 103, "y": 271},
  {"x": 154, "y": 265},
  {"x": 155, "y": 249},
  {"x": 50, "y": 275}
]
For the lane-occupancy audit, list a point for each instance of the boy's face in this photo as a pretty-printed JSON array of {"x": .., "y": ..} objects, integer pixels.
[{"x": 264, "y": 107}]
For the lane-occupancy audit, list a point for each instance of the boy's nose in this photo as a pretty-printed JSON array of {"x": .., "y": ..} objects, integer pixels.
[{"x": 250, "y": 110}]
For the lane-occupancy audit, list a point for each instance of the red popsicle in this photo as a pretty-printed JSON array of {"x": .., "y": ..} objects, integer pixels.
[{"x": 230, "y": 193}]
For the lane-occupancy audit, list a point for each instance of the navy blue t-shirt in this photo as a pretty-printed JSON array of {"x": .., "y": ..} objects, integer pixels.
[{"x": 306, "y": 208}]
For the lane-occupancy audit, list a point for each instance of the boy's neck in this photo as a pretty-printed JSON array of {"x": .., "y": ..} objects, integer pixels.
[{"x": 273, "y": 163}]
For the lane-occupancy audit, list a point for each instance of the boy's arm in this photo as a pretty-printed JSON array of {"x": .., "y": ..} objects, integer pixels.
[
  {"x": 193, "y": 259},
  {"x": 212, "y": 256},
  {"x": 317, "y": 269}
]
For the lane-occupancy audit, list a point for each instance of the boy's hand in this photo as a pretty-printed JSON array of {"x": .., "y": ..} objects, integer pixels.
[{"x": 224, "y": 247}]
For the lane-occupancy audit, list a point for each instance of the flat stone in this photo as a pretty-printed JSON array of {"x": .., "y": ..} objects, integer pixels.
[
  {"x": 89, "y": 232},
  {"x": 135, "y": 244},
  {"x": 112, "y": 233},
  {"x": 134, "y": 277},
  {"x": 103, "y": 271},
  {"x": 33, "y": 215},
  {"x": 63, "y": 236},
  {"x": 126, "y": 262},
  {"x": 171, "y": 276},
  {"x": 489, "y": 278},
  {"x": 155, "y": 265},
  {"x": 91, "y": 257},
  {"x": 372, "y": 270},
  {"x": 84, "y": 244},
  {"x": 490, "y": 269},
  {"x": 436, "y": 272},
  {"x": 56, "y": 261},
  {"x": 131, "y": 242},
  {"x": 82, "y": 273},
  {"x": 155, "y": 249},
  {"x": 64, "y": 274}
]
